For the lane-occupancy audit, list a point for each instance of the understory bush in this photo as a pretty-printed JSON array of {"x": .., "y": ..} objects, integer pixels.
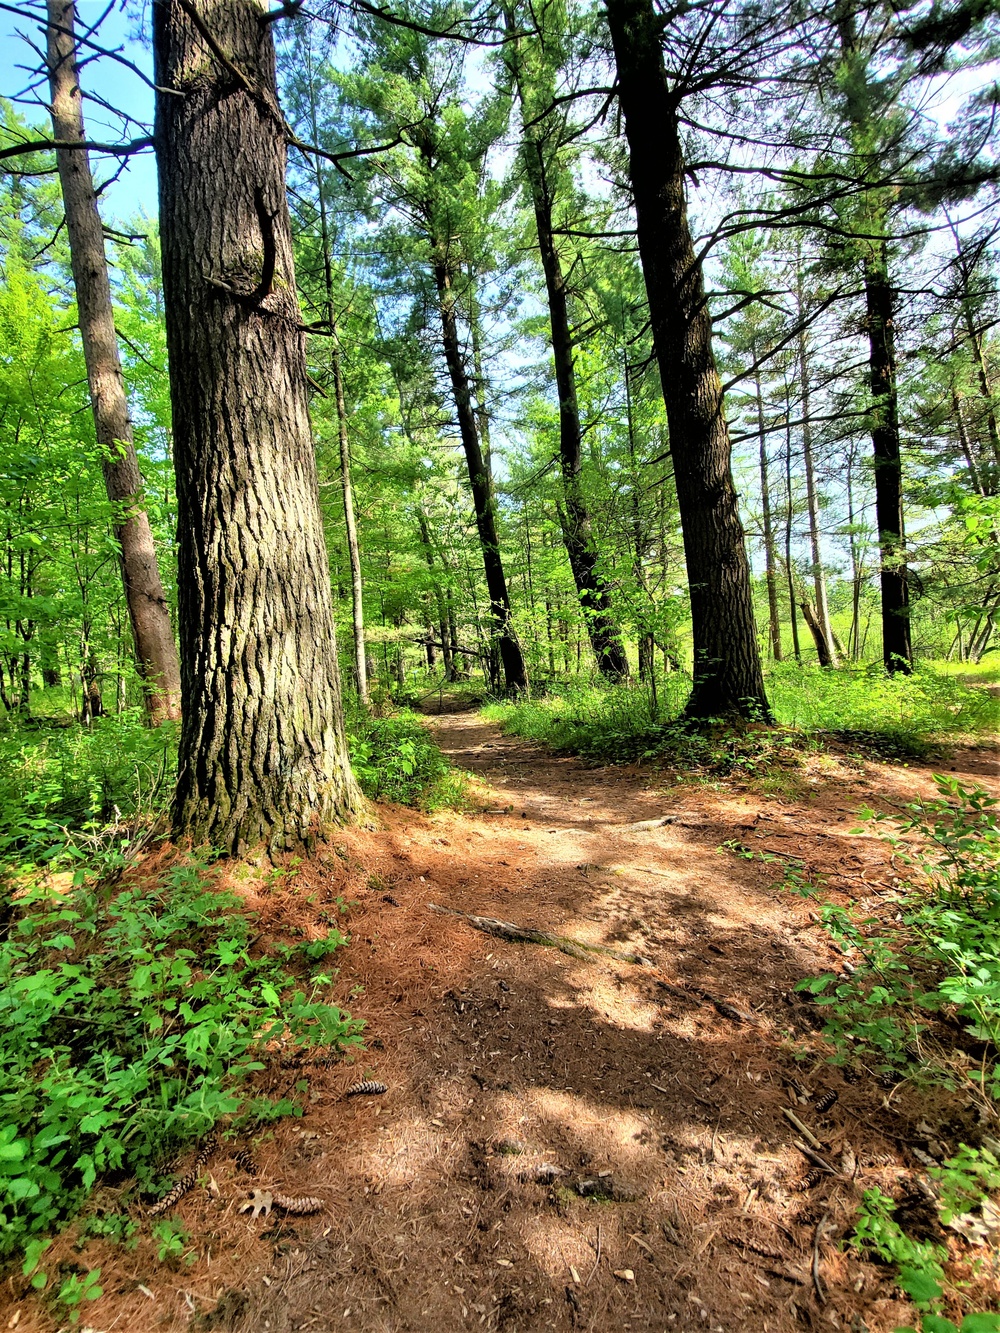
[
  {"x": 59, "y": 783},
  {"x": 131, "y": 1019},
  {"x": 930, "y": 973},
  {"x": 68, "y": 790},
  {"x": 395, "y": 759}
]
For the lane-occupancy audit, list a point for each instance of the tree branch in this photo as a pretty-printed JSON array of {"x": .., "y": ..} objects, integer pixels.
[{"x": 44, "y": 145}]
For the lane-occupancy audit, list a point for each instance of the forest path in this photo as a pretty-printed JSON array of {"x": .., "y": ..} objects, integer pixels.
[{"x": 569, "y": 1144}]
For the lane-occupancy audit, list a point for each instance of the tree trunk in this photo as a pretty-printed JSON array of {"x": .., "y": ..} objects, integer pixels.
[
  {"x": 263, "y": 756},
  {"x": 789, "y": 519},
  {"x": 966, "y": 443},
  {"x": 444, "y": 622},
  {"x": 822, "y": 613},
  {"x": 811, "y": 617},
  {"x": 727, "y": 670},
  {"x": 353, "y": 550},
  {"x": 595, "y": 599},
  {"x": 155, "y": 650},
  {"x": 481, "y": 481},
  {"x": 770, "y": 560},
  {"x": 897, "y": 653}
]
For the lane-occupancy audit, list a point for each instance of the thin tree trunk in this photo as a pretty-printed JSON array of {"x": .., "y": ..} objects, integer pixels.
[
  {"x": 447, "y": 646},
  {"x": 811, "y": 617},
  {"x": 347, "y": 489},
  {"x": 897, "y": 652},
  {"x": 481, "y": 482},
  {"x": 789, "y": 519},
  {"x": 770, "y": 560},
  {"x": 353, "y": 549},
  {"x": 727, "y": 669},
  {"x": 581, "y": 548},
  {"x": 149, "y": 615},
  {"x": 966, "y": 443},
  {"x": 263, "y": 756},
  {"x": 828, "y": 657}
]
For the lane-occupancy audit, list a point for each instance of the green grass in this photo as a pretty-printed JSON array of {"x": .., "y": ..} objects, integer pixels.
[{"x": 904, "y": 716}]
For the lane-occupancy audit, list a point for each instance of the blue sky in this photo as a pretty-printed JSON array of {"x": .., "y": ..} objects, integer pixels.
[{"x": 107, "y": 79}]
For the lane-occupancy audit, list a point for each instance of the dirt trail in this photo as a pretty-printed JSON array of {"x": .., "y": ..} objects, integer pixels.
[{"x": 568, "y": 1144}]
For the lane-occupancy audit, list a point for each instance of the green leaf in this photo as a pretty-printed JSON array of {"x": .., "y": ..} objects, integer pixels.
[{"x": 919, "y": 1285}]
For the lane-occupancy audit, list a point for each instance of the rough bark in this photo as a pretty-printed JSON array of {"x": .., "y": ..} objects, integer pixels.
[
  {"x": 353, "y": 549},
  {"x": 481, "y": 482},
  {"x": 578, "y": 536},
  {"x": 263, "y": 756},
  {"x": 727, "y": 671},
  {"x": 149, "y": 615}
]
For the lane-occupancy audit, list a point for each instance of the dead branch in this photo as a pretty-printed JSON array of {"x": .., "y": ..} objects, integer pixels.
[{"x": 507, "y": 930}]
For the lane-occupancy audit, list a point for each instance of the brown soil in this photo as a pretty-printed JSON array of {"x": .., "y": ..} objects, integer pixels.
[{"x": 565, "y": 1143}]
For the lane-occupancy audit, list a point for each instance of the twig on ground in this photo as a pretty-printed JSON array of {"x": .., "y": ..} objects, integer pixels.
[
  {"x": 804, "y": 1130},
  {"x": 597, "y": 1261},
  {"x": 814, "y": 1157},
  {"x": 507, "y": 930},
  {"x": 820, "y": 1228}
]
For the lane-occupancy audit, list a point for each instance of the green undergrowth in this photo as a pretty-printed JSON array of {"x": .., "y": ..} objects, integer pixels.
[
  {"x": 920, "y": 995},
  {"x": 133, "y": 1016},
  {"x": 63, "y": 784},
  {"x": 918, "y": 998},
  {"x": 68, "y": 790},
  {"x": 395, "y": 759},
  {"x": 898, "y": 718}
]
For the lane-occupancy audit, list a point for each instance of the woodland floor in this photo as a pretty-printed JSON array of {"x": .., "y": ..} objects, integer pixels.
[{"x": 565, "y": 1144}]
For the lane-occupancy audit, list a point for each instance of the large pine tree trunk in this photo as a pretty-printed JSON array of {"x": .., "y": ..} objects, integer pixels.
[
  {"x": 897, "y": 653},
  {"x": 149, "y": 615},
  {"x": 481, "y": 482},
  {"x": 262, "y": 754},
  {"x": 727, "y": 671}
]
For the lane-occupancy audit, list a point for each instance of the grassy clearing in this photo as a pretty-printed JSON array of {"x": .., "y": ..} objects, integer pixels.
[{"x": 902, "y": 717}]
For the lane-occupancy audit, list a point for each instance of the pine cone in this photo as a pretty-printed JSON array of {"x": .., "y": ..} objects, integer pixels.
[
  {"x": 369, "y": 1088},
  {"x": 245, "y": 1162},
  {"x": 826, "y": 1101},
  {"x": 206, "y": 1149},
  {"x": 297, "y": 1203},
  {"x": 809, "y": 1181},
  {"x": 179, "y": 1190}
]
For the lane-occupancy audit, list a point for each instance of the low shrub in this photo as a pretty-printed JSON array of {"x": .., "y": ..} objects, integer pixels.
[
  {"x": 131, "y": 1019},
  {"x": 58, "y": 783},
  {"x": 395, "y": 759},
  {"x": 934, "y": 968}
]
